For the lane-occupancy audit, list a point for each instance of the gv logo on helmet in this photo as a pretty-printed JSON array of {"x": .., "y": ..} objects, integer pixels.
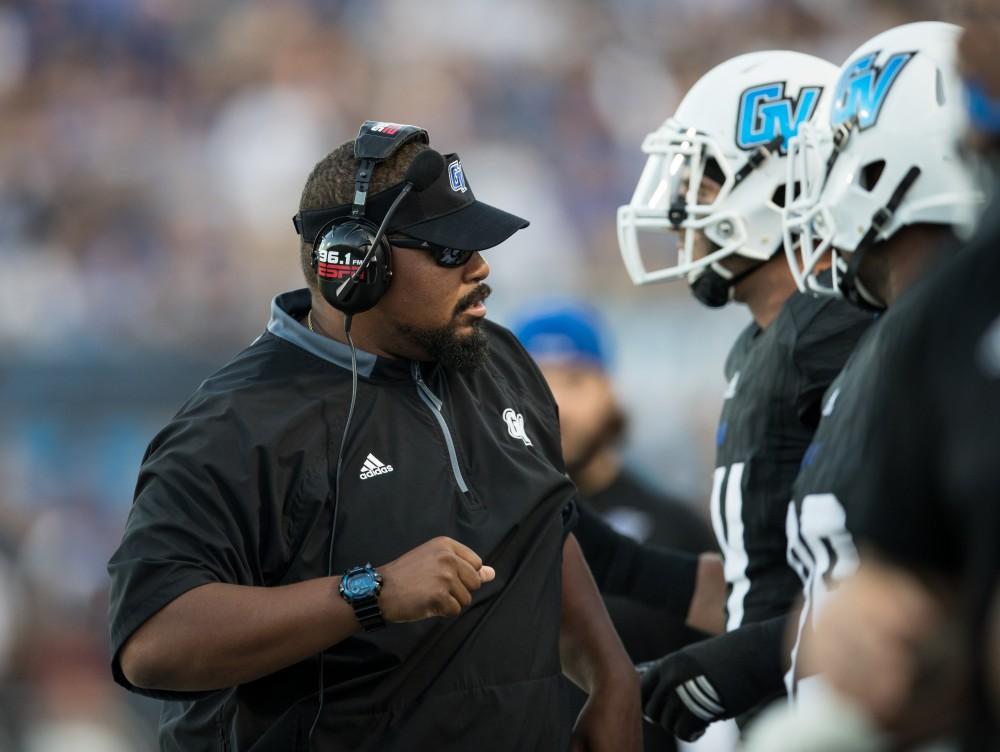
[
  {"x": 765, "y": 112},
  {"x": 863, "y": 86}
]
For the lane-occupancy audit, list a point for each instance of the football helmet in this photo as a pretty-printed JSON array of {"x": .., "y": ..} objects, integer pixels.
[
  {"x": 892, "y": 144},
  {"x": 732, "y": 128}
]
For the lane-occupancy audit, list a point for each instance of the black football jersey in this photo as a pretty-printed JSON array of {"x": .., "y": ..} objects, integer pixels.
[
  {"x": 930, "y": 490},
  {"x": 776, "y": 380},
  {"x": 824, "y": 495}
]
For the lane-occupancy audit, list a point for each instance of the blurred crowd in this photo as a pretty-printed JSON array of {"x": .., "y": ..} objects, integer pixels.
[{"x": 151, "y": 156}]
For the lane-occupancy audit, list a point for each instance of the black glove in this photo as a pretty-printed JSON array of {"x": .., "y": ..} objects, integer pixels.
[{"x": 715, "y": 679}]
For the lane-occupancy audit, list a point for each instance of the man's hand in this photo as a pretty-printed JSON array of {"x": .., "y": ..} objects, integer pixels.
[
  {"x": 437, "y": 578},
  {"x": 707, "y": 609},
  {"x": 891, "y": 645}
]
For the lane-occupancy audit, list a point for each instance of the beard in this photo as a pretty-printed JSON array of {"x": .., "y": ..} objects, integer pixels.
[{"x": 444, "y": 344}]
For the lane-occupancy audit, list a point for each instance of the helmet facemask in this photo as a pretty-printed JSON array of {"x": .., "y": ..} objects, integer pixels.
[
  {"x": 715, "y": 172},
  {"x": 682, "y": 190},
  {"x": 808, "y": 226}
]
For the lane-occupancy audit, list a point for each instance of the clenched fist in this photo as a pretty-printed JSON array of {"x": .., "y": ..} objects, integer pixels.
[{"x": 437, "y": 578}]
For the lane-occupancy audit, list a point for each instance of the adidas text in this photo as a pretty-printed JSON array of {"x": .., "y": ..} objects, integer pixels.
[{"x": 374, "y": 466}]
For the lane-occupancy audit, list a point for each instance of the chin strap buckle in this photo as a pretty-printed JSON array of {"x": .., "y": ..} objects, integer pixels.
[
  {"x": 677, "y": 213},
  {"x": 881, "y": 219}
]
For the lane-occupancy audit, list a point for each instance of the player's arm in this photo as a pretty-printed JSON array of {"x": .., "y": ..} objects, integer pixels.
[
  {"x": 593, "y": 657},
  {"x": 222, "y": 635},
  {"x": 715, "y": 679},
  {"x": 689, "y": 587}
]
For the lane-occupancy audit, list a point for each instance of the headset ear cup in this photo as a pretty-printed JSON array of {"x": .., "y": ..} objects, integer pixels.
[{"x": 340, "y": 248}]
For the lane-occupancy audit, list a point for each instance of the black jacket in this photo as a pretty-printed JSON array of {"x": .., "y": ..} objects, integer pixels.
[{"x": 238, "y": 488}]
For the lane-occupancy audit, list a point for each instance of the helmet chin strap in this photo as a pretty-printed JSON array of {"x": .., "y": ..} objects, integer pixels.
[
  {"x": 713, "y": 285},
  {"x": 850, "y": 283}
]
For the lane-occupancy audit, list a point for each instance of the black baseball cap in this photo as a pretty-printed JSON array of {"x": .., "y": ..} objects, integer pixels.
[{"x": 446, "y": 213}]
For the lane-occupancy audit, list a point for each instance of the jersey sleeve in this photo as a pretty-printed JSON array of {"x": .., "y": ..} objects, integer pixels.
[
  {"x": 658, "y": 577},
  {"x": 191, "y": 524},
  {"x": 821, "y": 349}
]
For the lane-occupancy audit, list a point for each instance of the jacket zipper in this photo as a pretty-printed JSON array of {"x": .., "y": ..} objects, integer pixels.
[{"x": 431, "y": 400}]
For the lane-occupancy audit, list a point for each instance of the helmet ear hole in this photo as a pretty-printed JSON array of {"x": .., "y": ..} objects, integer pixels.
[
  {"x": 713, "y": 171},
  {"x": 870, "y": 174},
  {"x": 778, "y": 198}
]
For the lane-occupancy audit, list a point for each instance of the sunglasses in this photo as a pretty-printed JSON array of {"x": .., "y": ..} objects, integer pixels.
[{"x": 447, "y": 257}]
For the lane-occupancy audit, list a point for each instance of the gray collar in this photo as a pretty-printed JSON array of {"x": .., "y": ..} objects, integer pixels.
[{"x": 288, "y": 308}]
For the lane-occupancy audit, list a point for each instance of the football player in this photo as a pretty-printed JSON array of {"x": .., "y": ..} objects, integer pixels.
[
  {"x": 929, "y": 519},
  {"x": 888, "y": 210},
  {"x": 888, "y": 206},
  {"x": 716, "y": 177}
]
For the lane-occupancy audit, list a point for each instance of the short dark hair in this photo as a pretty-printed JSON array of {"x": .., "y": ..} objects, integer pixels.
[{"x": 331, "y": 183}]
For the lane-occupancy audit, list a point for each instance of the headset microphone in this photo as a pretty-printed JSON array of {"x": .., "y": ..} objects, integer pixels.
[{"x": 425, "y": 168}]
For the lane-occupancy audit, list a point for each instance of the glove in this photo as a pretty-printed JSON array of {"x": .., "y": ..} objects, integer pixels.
[
  {"x": 712, "y": 680},
  {"x": 678, "y": 696}
]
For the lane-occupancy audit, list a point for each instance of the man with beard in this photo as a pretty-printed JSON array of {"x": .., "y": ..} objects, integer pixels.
[
  {"x": 244, "y": 590},
  {"x": 625, "y": 525}
]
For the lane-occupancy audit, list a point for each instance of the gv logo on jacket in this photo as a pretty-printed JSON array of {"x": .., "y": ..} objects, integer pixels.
[{"x": 515, "y": 425}]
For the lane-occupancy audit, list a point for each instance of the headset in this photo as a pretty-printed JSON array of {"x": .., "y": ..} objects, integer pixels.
[
  {"x": 353, "y": 263},
  {"x": 351, "y": 256}
]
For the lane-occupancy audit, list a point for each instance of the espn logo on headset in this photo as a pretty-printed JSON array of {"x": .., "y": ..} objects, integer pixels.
[
  {"x": 386, "y": 129},
  {"x": 331, "y": 266}
]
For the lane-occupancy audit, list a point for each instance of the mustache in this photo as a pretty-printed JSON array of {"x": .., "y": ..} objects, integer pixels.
[{"x": 478, "y": 295}]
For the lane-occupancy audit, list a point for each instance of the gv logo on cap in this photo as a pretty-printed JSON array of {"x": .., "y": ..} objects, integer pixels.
[{"x": 457, "y": 177}]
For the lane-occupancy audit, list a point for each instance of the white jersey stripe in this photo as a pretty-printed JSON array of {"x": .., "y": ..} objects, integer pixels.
[{"x": 736, "y": 558}]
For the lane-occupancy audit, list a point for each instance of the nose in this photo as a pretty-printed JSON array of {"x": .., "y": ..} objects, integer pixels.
[{"x": 476, "y": 270}]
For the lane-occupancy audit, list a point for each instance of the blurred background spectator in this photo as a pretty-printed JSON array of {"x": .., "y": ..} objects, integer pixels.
[
  {"x": 151, "y": 156},
  {"x": 570, "y": 343}
]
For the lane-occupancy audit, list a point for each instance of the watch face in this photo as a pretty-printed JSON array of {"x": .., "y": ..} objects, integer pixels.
[{"x": 360, "y": 585}]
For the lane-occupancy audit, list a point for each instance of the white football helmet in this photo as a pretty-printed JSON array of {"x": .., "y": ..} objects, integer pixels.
[
  {"x": 894, "y": 125},
  {"x": 732, "y": 127}
]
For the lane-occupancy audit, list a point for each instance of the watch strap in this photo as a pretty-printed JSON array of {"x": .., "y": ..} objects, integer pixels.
[{"x": 368, "y": 613}]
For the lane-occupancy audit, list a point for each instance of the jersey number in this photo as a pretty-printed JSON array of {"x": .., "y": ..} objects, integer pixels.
[
  {"x": 730, "y": 537},
  {"x": 820, "y": 549},
  {"x": 822, "y": 553}
]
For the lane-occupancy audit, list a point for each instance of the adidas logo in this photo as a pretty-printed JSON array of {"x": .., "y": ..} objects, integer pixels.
[{"x": 374, "y": 466}]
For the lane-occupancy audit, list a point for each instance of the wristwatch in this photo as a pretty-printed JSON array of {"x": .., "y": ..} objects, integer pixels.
[{"x": 360, "y": 587}]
